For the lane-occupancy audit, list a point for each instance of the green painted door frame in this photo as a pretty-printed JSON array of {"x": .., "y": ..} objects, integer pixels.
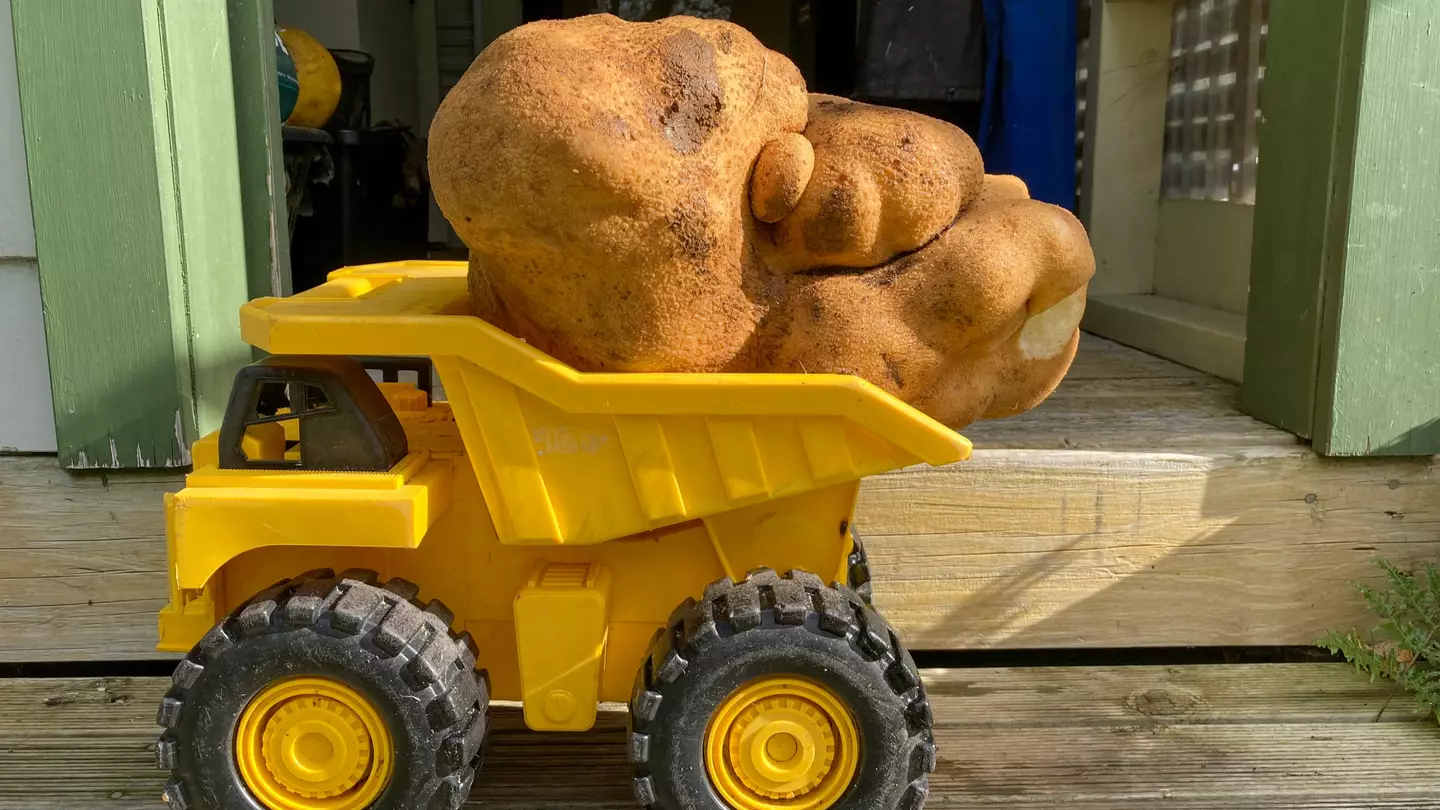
[
  {"x": 156, "y": 186},
  {"x": 1343, "y": 331}
]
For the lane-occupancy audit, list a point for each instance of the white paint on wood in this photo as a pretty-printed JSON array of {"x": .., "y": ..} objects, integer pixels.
[
  {"x": 1090, "y": 55},
  {"x": 1124, "y": 141},
  {"x": 17, "y": 229},
  {"x": 1210, "y": 340},
  {"x": 1172, "y": 277},
  {"x": 27, "y": 423},
  {"x": 1202, "y": 253}
]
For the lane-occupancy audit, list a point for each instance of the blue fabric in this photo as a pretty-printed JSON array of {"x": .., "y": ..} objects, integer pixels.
[{"x": 1027, "y": 123}]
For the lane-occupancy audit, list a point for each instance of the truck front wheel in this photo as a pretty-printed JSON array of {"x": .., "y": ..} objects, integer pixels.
[
  {"x": 326, "y": 692},
  {"x": 779, "y": 693}
]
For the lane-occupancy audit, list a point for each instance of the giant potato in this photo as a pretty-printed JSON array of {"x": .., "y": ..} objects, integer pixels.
[{"x": 667, "y": 197}]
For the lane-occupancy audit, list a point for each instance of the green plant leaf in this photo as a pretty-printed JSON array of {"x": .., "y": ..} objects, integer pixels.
[{"x": 1404, "y": 646}]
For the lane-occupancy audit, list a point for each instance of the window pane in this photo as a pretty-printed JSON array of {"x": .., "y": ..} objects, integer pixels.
[{"x": 1217, "y": 53}]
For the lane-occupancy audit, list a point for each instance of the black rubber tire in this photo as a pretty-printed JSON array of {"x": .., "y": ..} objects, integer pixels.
[
  {"x": 374, "y": 637},
  {"x": 770, "y": 625},
  {"x": 858, "y": 574}
]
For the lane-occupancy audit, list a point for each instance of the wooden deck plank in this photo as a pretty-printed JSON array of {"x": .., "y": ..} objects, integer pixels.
[
  {"x": 82, "y": 561},
  {"x": 1116, "y": 398},
  {"x": 1297, "y": 737},
  {"x": 1081, "y": 549},
  {"x": 1136, "y": 507}
]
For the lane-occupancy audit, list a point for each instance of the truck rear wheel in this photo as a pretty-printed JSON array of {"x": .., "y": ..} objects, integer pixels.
[
  {"x": 779, "y": 693},
  {"x": 326, "y": 693}
]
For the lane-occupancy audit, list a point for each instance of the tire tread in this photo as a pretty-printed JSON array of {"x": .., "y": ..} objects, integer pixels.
[
  {"x": 797, "y": 598},
  {"x": 437, "y": 666}
]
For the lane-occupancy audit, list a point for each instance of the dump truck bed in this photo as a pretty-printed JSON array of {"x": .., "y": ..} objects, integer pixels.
[{"x": 569, "y": 457}]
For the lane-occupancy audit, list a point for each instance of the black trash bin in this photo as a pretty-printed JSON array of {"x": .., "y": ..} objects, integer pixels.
[
  {"x": 353, "y": 110},
  {"x": 371, "y": 210}
]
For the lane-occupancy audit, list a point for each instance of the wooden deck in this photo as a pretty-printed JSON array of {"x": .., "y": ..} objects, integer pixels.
[
  {"x": 1268, "y": 736},
  {"x": 1136, "y": 507}
]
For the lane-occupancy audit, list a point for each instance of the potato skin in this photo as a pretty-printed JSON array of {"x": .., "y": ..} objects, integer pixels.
[
  {"x": 780, "y": 176},
  {"x": 667, "y": 197}
]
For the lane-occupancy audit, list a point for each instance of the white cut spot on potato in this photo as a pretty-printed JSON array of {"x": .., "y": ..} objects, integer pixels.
[{"x": 1046, "y": 334}]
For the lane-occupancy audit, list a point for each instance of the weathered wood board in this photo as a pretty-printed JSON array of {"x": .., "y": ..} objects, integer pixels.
[
  {"x": 82, "y": 561},
  {"x": 1292, "y": 736},
  {"x": 1107, "y": 549},
  {"x": 1137, "y": 508}
]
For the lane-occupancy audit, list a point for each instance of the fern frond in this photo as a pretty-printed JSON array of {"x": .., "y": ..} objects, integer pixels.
[{"x": 1405, "y": 644}]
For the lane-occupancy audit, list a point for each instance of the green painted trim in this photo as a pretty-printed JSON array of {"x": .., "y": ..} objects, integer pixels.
[
  {"x": 262, "y": 159},
  {"x": 98, "y": 233},
  {"x": 1200, "y": 337},
  {"x": 1380, "y": 363},
  {"x": 1342, "y": 344},
  {"x": 1301, "y": 201},
  {"x": 203, "y": 166},
  {"x": 129, "y": 118},
  {"x": 1202, "y": 253}
]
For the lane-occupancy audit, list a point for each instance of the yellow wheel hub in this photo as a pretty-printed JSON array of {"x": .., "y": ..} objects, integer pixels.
[
  {"x": 782, "y": 743},
  {"x": 313, "y": 744}
]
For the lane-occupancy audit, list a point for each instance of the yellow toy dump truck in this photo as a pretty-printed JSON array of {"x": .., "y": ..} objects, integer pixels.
[{"x": 583, "y": 538}]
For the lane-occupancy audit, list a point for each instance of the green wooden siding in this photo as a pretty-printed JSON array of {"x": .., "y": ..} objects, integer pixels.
[
  {"x": 129, "y": 115},
  {"x": 262, "y": 166},
  {"x": 1302, "y": 188},
  {"x": 1342, "y": 338},
  {"x": 91, "y": 151},
  {"x": 1385, "y": 346}
]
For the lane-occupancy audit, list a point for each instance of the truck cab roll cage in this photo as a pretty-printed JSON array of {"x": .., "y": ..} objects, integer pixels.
[{"x": 343, "y": 421}]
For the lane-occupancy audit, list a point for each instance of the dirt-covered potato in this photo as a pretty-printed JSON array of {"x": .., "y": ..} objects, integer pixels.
[{"x": 666, "y": 197}]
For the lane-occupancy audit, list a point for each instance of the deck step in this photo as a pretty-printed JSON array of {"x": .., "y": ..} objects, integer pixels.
[
  {"x": 1274, "y": 736},
  {"x": 1135, "y": 507}
]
